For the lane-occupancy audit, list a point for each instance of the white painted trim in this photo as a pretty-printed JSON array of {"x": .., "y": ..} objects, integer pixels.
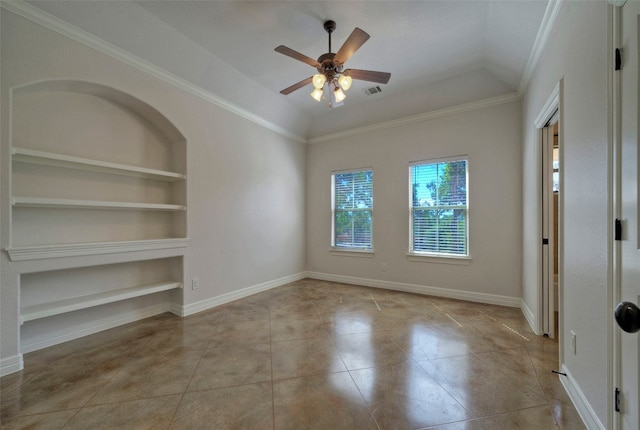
[
  {"x": 92, "y": 327},
  {"x": 549, "y": 108},
  {"x": 493, "y": 299},
  {"x": 614, "y": 293},
  {"x": 580, "y": 402},
  {"x": 11, "y": 364},
  {"x": 530, "y": 317},
  {"x": 32, "y": 13},
  {"x": 548, "y": 20},
  {"x": 82, "y": 249},
  {"x": 440, "y": 259},
  {"x": 466, "y": 107},
  {"x": 213, "y": 302},
  {"x": 362, "y": 253}
]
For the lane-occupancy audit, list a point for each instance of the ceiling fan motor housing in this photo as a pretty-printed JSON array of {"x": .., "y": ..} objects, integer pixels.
[{"x": 327, "y": 66}]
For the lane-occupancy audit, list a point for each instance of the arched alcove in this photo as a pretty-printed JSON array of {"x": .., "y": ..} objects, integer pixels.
[
  {"x": 94, "y": 172},
  {"x": 92, "y": 164}
]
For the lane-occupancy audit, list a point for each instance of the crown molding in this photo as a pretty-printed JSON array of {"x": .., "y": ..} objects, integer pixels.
[
  {"x": 45, "y": 19},
  {"x": 548, "y": 21},
  {"x": 466, "y": 107}
]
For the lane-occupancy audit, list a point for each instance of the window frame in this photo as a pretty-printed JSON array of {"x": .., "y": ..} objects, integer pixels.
[
  {"x": 350, "y": 249},
  {"x": 444, "y": 257}
]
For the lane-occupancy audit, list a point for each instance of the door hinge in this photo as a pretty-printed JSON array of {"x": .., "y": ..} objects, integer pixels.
[
  {"x": 618, "y": 60},
  {"x": 545, "y": 241},
  {"x": 617, "y": 399},
  {"x": 618, "y": 230}
]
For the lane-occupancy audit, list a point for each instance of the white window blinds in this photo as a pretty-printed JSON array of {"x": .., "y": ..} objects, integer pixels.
[
  {"x": 439, "y": 210},
  {"x": 352, "y": 209}
]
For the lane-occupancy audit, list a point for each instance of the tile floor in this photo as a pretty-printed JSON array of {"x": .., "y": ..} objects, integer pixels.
[{"x": 307, "y": 355}]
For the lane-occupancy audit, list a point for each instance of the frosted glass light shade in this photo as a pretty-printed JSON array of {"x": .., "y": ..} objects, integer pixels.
[
  {"x": 319, "y": 80},
  {"x": 339, "y": 94},
  {"x": 345, "y": 82},
  {"x": 317, "y": 94}
]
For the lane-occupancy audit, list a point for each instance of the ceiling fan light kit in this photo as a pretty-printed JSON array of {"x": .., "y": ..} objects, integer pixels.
[
  {"x": 319, "y": 80},
  {"x": 331, "y": 81}
]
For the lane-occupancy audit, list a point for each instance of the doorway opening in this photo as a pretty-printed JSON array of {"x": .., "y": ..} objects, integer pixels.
[{"x": 551, "y": 225}]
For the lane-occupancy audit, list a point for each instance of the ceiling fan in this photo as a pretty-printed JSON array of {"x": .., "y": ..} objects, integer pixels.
[{"x": 331, "y": 80}]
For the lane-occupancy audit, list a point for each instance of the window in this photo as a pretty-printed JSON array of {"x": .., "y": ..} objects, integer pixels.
[
  {"x": 352, "y": 208},
  {"x": 439, "y": 209}
]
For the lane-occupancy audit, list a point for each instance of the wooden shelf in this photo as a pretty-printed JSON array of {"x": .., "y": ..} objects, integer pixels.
[
  {"x": 41, "y": 252},
  {"x": 35, "y": 312},
  {"x": 57, "y": 160},
  {"x": 91, "y": 204}
]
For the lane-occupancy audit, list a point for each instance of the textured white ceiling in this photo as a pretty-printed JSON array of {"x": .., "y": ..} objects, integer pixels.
[{"x": 439, "y": 53}]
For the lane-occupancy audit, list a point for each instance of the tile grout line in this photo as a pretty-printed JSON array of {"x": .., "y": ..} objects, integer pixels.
[
  {"x": 184, "y": 393},
  {"x": 323, "y": 302}
]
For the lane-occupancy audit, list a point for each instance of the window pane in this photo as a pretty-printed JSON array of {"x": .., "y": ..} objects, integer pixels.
[
  {"x": 353, "y": 229},
  {"x": 439, "y": 184},
  {"x": 439, "y": 202},
  {"x": 353, "y": 204},
  {"x": 354, "y": 190}
]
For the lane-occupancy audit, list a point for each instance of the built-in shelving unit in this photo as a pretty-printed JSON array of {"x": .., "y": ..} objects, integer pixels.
[
  {"x": 35, "y": 312},
  {"x": 97, "y": 210}
]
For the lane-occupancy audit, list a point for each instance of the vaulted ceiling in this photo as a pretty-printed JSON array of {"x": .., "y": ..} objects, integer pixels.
[{"x": 439, "y": 53}]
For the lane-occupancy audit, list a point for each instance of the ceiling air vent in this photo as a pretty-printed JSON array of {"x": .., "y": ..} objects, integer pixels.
[{"x": 372, "y": 90}]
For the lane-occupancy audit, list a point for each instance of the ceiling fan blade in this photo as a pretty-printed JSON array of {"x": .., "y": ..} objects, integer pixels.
[
  {"x": 355, "y": 40},
  {"x": 296, "y": 55},
  {"x": 368, "y": 75},
  {"x": 297, "y": 86}
]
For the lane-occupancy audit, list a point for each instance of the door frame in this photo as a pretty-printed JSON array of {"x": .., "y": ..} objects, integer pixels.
[
  {"x": 551, "y": 109},
  {"x": 615, "y": 209},
  {"x": 548, "y": 280}
]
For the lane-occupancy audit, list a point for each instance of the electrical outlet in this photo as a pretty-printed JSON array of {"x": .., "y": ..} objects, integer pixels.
[
  {"x": 574, "y": 342},
  {"x": 383, "y": 267},
  {"x": 195, "y": 283}
]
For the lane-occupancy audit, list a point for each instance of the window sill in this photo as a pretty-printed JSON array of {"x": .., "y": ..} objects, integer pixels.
[
  {"x": 365, "y": 253},
  {"x": 442, "y": 259}
]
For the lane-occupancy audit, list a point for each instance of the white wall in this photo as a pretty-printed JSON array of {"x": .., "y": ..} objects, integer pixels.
[
  {"x": 577, "y": 53},
  {"x": 490, "y": 137},
  {"x": 245, "y": 188}
]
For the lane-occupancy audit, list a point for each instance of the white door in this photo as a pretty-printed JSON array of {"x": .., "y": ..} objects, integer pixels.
[{"x": 629, "y": 245}]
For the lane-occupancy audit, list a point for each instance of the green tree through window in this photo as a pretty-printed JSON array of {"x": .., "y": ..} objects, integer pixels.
[
  {"x": 352, "y": 209},
  {"x": 439, "y": 208}
]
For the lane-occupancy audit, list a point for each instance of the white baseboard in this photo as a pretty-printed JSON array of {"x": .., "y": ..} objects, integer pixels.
[
  {"x": 515, "y": 302},
  {"x": 583, "y": 407},
  {"x": 107, "y": 323},
  {"x": 11, "y": 364},
  {"x": 61, "y": 336},
  {"x": 14, "y": 364},
  {"x": 530, "y": 317},
  {"x": 212, "y": 302}
]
